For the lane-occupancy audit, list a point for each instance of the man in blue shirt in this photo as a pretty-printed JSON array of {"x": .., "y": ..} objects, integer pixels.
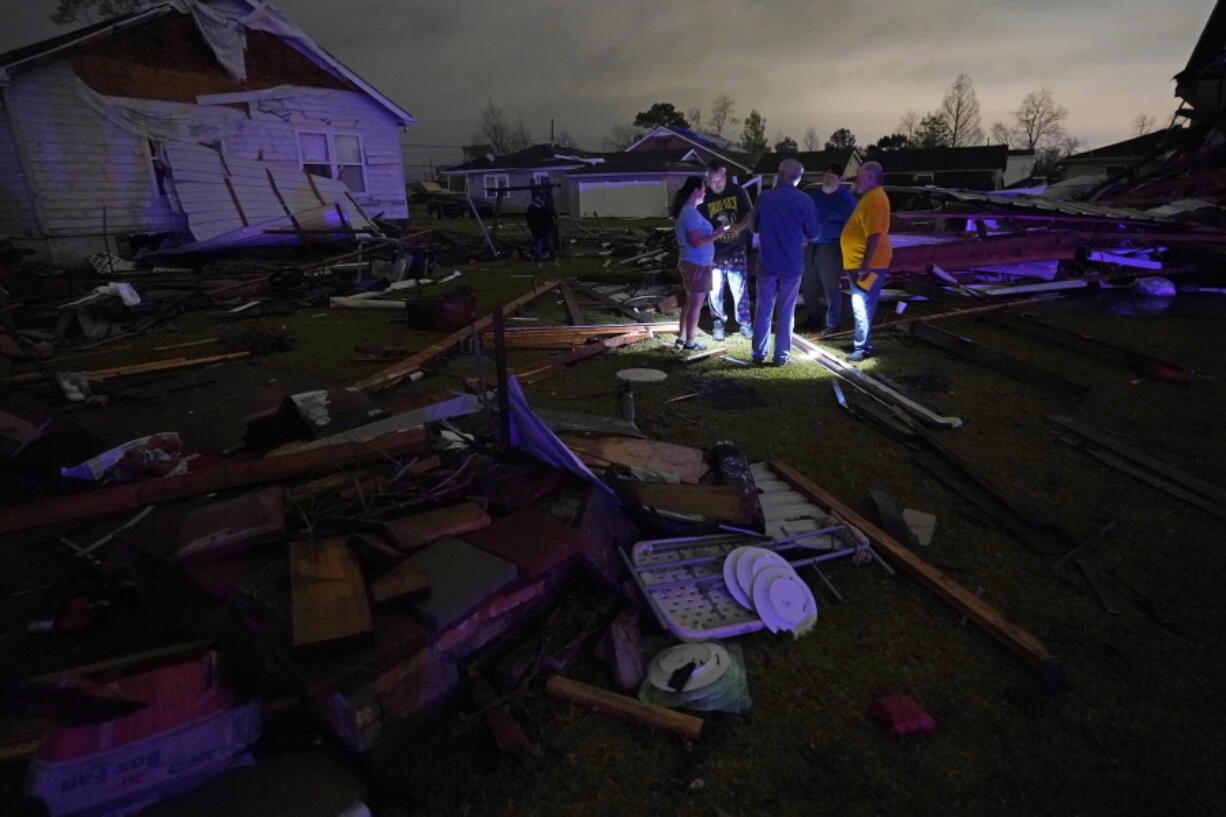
[
  {"x": 823, "y": 259},
  {"x": 784, "y": 219}
]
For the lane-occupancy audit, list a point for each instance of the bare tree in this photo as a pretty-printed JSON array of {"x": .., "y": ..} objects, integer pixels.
[
  {"x": 812, "y": 140},
  {"x": 520, "y": 138},
  {"x": 621, "y": 137},
  {"x": 694, "y": 115},
  {"x": 1001, "y": 135},
  {"x": 960, "y": 109},
  {"x": 564, "y": 139},
  {"x": 1143, "y": 124},
  {"x": 1069, "y": 145},
  {"x": 908, "y": 125},
  {"x": 493, "y": 129},
  {"x": 721, "y": 114},
  {"x": 1039, "y": 122}
]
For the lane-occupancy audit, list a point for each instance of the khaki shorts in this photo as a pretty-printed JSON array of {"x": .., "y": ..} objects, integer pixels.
[{"x": 694, "y": 277}]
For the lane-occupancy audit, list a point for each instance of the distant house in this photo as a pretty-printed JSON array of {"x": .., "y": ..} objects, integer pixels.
[
  {"x": 631, "y": 185},
  {"x": 1111, "y": 160},
  {"x": 517, "y": 172},
  {"x": 1202, "y": 83},
  {"x": 702, "y": 146},
  {"x": 142, "y": 124},
  {"x": 815, "y": 163},
  {"x": 972, "y": 168}
]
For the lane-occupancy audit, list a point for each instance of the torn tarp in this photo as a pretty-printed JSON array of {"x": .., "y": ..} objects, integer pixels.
[{"x": 531, "y": 435}]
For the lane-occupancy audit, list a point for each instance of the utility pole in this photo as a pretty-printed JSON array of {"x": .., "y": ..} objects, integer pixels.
[{"x": 551, "y": 130}]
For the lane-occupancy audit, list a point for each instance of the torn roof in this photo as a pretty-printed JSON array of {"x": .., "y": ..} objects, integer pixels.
[
  {"x": 260, "y": 15},
  {"x": 1208, "y": 58},
  {"x": 1038, "y": 207},
  {"x": 722, "y": 148},
  {"x": 815, "y": 161},
  {"x": 646, "y": 163},
  {"x": 1136, "y": 148},
  {"x": 919, "y": 160},
  {"x": 537, "y": 157}
]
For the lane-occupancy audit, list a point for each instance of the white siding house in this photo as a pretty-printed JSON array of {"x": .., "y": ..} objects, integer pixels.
[{"x": 89, "y": 119}]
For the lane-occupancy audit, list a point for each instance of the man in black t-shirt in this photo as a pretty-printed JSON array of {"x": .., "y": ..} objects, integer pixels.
[{"x": 728, "y": 205}]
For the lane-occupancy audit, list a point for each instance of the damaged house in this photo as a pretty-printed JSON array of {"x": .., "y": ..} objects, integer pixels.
[{"x": 187, "y": 126}]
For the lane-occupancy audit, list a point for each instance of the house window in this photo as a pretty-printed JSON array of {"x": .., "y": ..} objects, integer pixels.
[
  {"x": 157, "y": 155},
  {"x": 334, "y": 156},
  {"x": 494, "y": 181},
  {"x": 540, "y": 177}
]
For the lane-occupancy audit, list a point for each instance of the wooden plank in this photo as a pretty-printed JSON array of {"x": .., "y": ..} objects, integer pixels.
[
  {"x": 1183, "y": 478},
  {"x": 626, "y": 645},
  {"x": 555, "y": 364},
  {"x": 328, "y": 594},
  {"x": 579, "y": 334},
  {"x": 117, "y": 372},
  {"x": 624, "y": 708},
  {"x": 720, "y": 352},
  {"x": 725, "y": 503},
  {"x": 997, "y": 361},
  {"x": 573, "y": 311},
  {"x": 116, "y": 498},
  {"x": 1020, "y": 641},
  {"x": 402, "y": 580},
  {"x": 688, "y": 464},
  {"x": 390, "y": 376},
  {"x": 419, "y": 530}
]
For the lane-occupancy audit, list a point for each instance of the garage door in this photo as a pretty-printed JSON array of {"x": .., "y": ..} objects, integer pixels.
[{"x": 623, "y": 199}]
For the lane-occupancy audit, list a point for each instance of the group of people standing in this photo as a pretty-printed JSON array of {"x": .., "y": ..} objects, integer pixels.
[{"x": 809, "y": 238}]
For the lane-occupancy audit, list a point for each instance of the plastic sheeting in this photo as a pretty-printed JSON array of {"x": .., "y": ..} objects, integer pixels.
[
  {"x": 529, "y": 433},
  {"x": 226, "y": 34}
]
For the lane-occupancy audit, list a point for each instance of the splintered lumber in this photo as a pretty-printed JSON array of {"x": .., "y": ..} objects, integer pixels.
[
  {"x": 628, "y": 311},
  {"x": 390, "y": 376},
  {"x": 555, "y": 364},
  {"x": 402, "y": 580},
  {"x": 116, "y": 498},
  {"x": 964, "y": 601},
  {"x": 554, "y": 337},
  {"x": 724, "y": 503},
  {"x": 967, "y": 349},
  {"x": 573, "y": 312},
  {"x": 687, "y": 464},
  {"x": 152, "y": 367},
  {"x": 1005, "y": 249},
  {"x": 623, "y": 708},
  {"x": 1156, "y": 471},
  {"x": 413, "y": 532},
  {"x": 1143, "y": 364},
  {"x": 328, "y": 593}
]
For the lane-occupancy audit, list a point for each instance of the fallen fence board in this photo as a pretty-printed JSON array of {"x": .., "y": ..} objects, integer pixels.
[
  {"x": 152, "y": 367},
  {"x": 1185, "y": 480},
  {"x": 725, "y": 503},
  {"x": 553, "y": 365},
  {"x": 112, "y": 499},
  {"x": 328, "y": 593},
  {"x": 390, "y": 376},
  {"x": 990, "y": 358},
  {"x": 688, "y": 464},
  {"x": 974, "y": 608},
  {"x": 573, "y": 312},
  {"x": 1138, "y": 361}
]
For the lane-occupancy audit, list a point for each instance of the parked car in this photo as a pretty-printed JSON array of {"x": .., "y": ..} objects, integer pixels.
[{"x": 456, "y": 206}]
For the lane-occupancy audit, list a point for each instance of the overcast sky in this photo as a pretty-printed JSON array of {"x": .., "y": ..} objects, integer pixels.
[{"x": 802, "y": 63}]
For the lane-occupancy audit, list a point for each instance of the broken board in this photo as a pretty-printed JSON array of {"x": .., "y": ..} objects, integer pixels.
[
  {"x": 413, "y": 532},
  {"x": 724, "y": 503},
  {"x": 534, "y": 541},
  {"x": 329, "y": 594},
  {"x": 687, "y": 464},
  {"x": 402, "y": 580},
  {"x": 461, "y": 576}
]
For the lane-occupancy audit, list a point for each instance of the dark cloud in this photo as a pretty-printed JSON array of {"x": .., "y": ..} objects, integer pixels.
[{"x": 823, "y": 64}]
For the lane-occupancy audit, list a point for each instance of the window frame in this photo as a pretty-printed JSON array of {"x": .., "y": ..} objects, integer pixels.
[
  {"x": 492, "y": 192},
  {"x": 334, "y": 163},
  {"x": 540, "y": 177}
]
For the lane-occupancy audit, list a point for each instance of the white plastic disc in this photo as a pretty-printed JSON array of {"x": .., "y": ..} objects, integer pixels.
[
  {"x": 730, "y": 578},
  {"x": 642, "y": 375},
  {"x": 751, "y": 562},
  {"x": 782, "y": 600},
  {"x": 711, "y": 661}
]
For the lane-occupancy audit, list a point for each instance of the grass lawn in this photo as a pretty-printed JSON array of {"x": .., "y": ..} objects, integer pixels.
[{"x": 1141, "y": 730}]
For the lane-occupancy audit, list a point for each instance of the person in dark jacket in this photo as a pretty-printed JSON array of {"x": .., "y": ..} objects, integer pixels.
[
  {"x": 824, "y": 258},
  {"x": 540, "y": 224}
]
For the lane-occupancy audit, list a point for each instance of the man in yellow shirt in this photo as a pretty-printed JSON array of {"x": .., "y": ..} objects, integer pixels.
[{"x": 865, "y": 243}]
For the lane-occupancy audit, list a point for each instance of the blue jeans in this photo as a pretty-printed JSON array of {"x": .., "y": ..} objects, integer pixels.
[
  {"x": 732, "y": 269},
  {"x": 863, "y": 307},
  {"x": 772, "y": 290},
  {"x": 823, "y": 269}
]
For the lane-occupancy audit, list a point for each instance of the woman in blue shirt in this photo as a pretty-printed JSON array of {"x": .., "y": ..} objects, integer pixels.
[{"x": 696, "y": 253}]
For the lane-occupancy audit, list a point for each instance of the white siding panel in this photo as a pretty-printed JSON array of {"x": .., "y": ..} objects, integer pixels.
[
  {"x": 76, "y": 155},
  {"x": 17, "y": 216}
]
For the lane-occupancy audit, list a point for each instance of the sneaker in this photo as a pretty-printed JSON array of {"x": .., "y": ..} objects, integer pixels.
[
  {"x": 679, "y": 344},
  {"x": 717, "y": 330},
  {"x": 758, "y": 361},
  {"x": 779, "y": 361},
  {"x": 695, "y": 347},
  {"x": 859, "y": 355},
  {"x": 827, "y": 332},
  {"x": 746, "y": 331}
]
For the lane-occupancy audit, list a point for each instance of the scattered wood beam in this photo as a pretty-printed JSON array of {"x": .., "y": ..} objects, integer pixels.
[
  {"x": 553, "y": 365},
  {"x": 390, "y": 376},
  {"x": 964, "y": 601},
  {"x": 573, "y": 312},
  {"x": 134, "y": 370},
  {"x": 997, "y": 361},
  {"x": 116, "y": 498},
  {"x": 704, "y": 355},
  {"x": 624, "y": 708}
]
